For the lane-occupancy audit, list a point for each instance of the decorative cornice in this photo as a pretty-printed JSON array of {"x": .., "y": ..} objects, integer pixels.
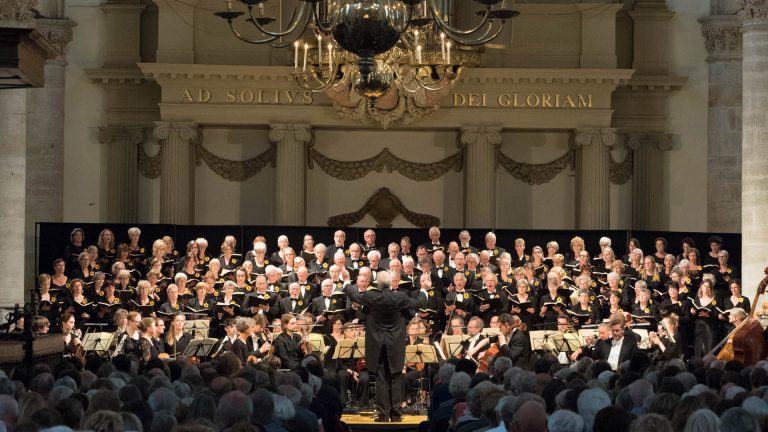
[
  {"x": 598, "y": 136},
  {"x": 535, "y": 174},
  {"x": 722, "y": 37},
  {"x": 384, "y": 206},
  {"x": 115, "y": 76},
  {"x": 385, "y": 160},
  {"x": 656, "y": 83},
  {"x": 755, "y": 12},
  {"x": 396, "y": 107}
]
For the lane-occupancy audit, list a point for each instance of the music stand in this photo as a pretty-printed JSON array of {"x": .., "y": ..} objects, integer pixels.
[
  {"x": 453, "y": 343},
  {"x": 98, "y": 342},
  {"x": 316, "y": 342},
  {"x": 566, "y": 342},
  {"x": 540, "y": 340},
  {"x": 199, "y": 328},
  {"x": 491, "y": 332},
  {"x": 199, "y": 348},
  {"x": 421, "y": 353},
  {"x": 644, "y": 343},
  {"x": 348, "y": 349},
  {"x": 584, "y": 333}
]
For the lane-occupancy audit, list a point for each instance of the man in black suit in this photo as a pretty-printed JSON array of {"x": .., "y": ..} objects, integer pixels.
[
  {"x": 339, "y": 237},
  {"x": 293, "y": 304},
  {"x": 322, "y": 303},
  {"x": 618, "y": 348},
  {"x": 513, "y": 342},
  {"x": 385, "y": 341}
]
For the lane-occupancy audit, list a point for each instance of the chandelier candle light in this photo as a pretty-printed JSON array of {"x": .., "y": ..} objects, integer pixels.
[{"x": 374, "y": 45}]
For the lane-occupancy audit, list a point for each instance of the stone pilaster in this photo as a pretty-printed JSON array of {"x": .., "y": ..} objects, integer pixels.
[
  {"x": 598, "y": 41},
  {"x": 290, "y": 141},
  {"x": 45, "y": 141},
  {"x": 592, "y": 147},
  {"x": 649, "y": 209},
  {"x": 122, "y": 172},
  {"x": 480, "y": 144},
  {"x": 723, "y": 41},
  {"x": 175, "y": 35},
  {"x": 13, "y": 169},
  {"x": 754, "y": 152},
  {"x": 651, "y": 35},
  {"x": 123, "y": 33},
  {"x": 177, "y": 180}
]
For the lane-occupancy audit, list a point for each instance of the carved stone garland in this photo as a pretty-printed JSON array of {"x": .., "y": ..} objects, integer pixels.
[
  {"x": 236, "y": 171},
  {"x": 232, "y": 170},
  {"x": 535, "y": 174},
  {"x": 149, "y": 166},
  {"x": 384, "y": 207},
  {"x": 620, "y": 172},
  {"x": 353, "y": 170}
]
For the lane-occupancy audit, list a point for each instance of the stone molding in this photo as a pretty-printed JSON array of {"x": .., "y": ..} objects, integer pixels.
[
  {"x": 384, "y": 206},
  {"x": 18, "y": 12},
  {"x": 755, "y": 12},
  {"x": 656, "y": 83},
  {"x": 722, "y": 37},
  {"x": 385, "y": 160},
  {"x": 115, "y": 76}
]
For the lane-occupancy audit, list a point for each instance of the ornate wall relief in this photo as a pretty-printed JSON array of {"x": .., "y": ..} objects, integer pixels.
[
  {"x": 535, "y": 174},
  {"x": 384, "y": 206},
  {"x": 353, "y": 170},
  {"x": 620, "y": 172},
  {"x": 232, "y": 170}
]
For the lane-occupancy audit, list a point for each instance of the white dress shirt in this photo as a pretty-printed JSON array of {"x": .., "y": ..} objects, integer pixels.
[{"x": 613, "y": 357}]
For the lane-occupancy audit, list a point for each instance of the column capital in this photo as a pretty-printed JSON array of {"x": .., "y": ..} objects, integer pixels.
[
  {"x": 57, "y": 32},
  {"x": 134, "y": 134},
  {"x": 187, "y": 131},
  {"x": 301, "y": 132},
  {"x": 755, "y": 12},
  {"x": 586, "y": 136},
  {"x": 722, "y": 37},
  {"x": 654, "y": 140},
  {"x": 473, "y": 134}
]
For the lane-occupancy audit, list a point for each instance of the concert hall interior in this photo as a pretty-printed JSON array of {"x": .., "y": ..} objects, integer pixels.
[{"x": 340, "y": 215}]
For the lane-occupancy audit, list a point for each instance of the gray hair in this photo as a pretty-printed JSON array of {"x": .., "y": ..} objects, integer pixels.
[
  {"x": 738, "y": 420},
  {"x": 374, "y": 253},
  {"x": 589, "y": 403},
  {"x": 702, "y": 420},
  {"x": 284, "y": 409},
  {"x": 259, "y": 247},
  {"x": 477, "y": 395},
  {"x": 459, "y": 385},
  {"x": 446, "y": 372},
  {"x": 564, "y": 421},
  {"x": 163, "y": 399}
]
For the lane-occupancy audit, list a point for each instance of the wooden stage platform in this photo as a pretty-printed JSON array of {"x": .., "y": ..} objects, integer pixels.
[{"x": 362, "y": 423}]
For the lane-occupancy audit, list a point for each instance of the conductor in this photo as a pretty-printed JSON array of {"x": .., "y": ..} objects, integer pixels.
[{"x": 385, "y": 340}]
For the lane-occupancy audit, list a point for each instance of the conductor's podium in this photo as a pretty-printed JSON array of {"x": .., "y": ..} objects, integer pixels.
[{"x": 360, "y": 423}]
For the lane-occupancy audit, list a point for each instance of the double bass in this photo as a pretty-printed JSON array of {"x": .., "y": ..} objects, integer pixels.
[{"x": 745, "y": 343}]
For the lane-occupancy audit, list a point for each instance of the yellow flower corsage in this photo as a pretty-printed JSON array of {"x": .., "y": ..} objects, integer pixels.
[
  {"x": 647, "y": 310},
  {"x": 495, "y": 251},
  {"x": 300, "y": 302},
  {"x": 141, "y": 250},
  {"x": 205, "y": 305},
  {"x": 333, "y": 301},
  {"x": 730, "y": 270},
  {"x": 466, "y": 296},
  {"x": 207, "y": 259},
  {"x": 91, "y": 273},
  {"x": 431, "y": 293},
  {"x": 741, "y": 299}
]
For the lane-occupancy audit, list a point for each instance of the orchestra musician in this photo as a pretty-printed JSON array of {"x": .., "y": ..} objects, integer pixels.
[
  {"x": 72, "y": 342},
  {"x": 477, "y": 343},
  {"x": 666, "y": 346},
  {"x": 260, "y": 343},
  {"x": 129, "y": 342},
  {"x": 157, "y": 338},
  {"x": 288, "y": 342},
  {"x": 620, "y": 347},
  {"x": 244, "y": 327},
  {"x": 513, "y": 341},
  {"x": 352, "y": 373},
  {"x": 176, "y": 339},
  {"x": 417, "y": 334},
  {"x": 146, "y": 346}
]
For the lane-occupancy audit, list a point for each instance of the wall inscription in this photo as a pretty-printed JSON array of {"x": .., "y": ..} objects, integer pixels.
[{"x": 239, "y": 96}]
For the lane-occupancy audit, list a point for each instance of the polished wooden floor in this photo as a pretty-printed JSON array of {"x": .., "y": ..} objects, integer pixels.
[{"x": 357, "y": 422}]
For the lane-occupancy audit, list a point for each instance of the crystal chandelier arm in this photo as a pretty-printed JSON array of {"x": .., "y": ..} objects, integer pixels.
[
  {"x": 450, "y": 29},
  {"x": 296, "y": 18}
]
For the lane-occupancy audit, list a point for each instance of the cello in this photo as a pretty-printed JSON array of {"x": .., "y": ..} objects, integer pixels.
[{"x": 745, "y": 343}]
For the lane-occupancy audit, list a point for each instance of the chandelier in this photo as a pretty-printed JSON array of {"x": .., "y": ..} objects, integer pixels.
[{"x": 366, "y": 48}]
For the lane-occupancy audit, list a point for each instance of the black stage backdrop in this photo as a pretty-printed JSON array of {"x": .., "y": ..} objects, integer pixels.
[{"x": 52, "y": 238}]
